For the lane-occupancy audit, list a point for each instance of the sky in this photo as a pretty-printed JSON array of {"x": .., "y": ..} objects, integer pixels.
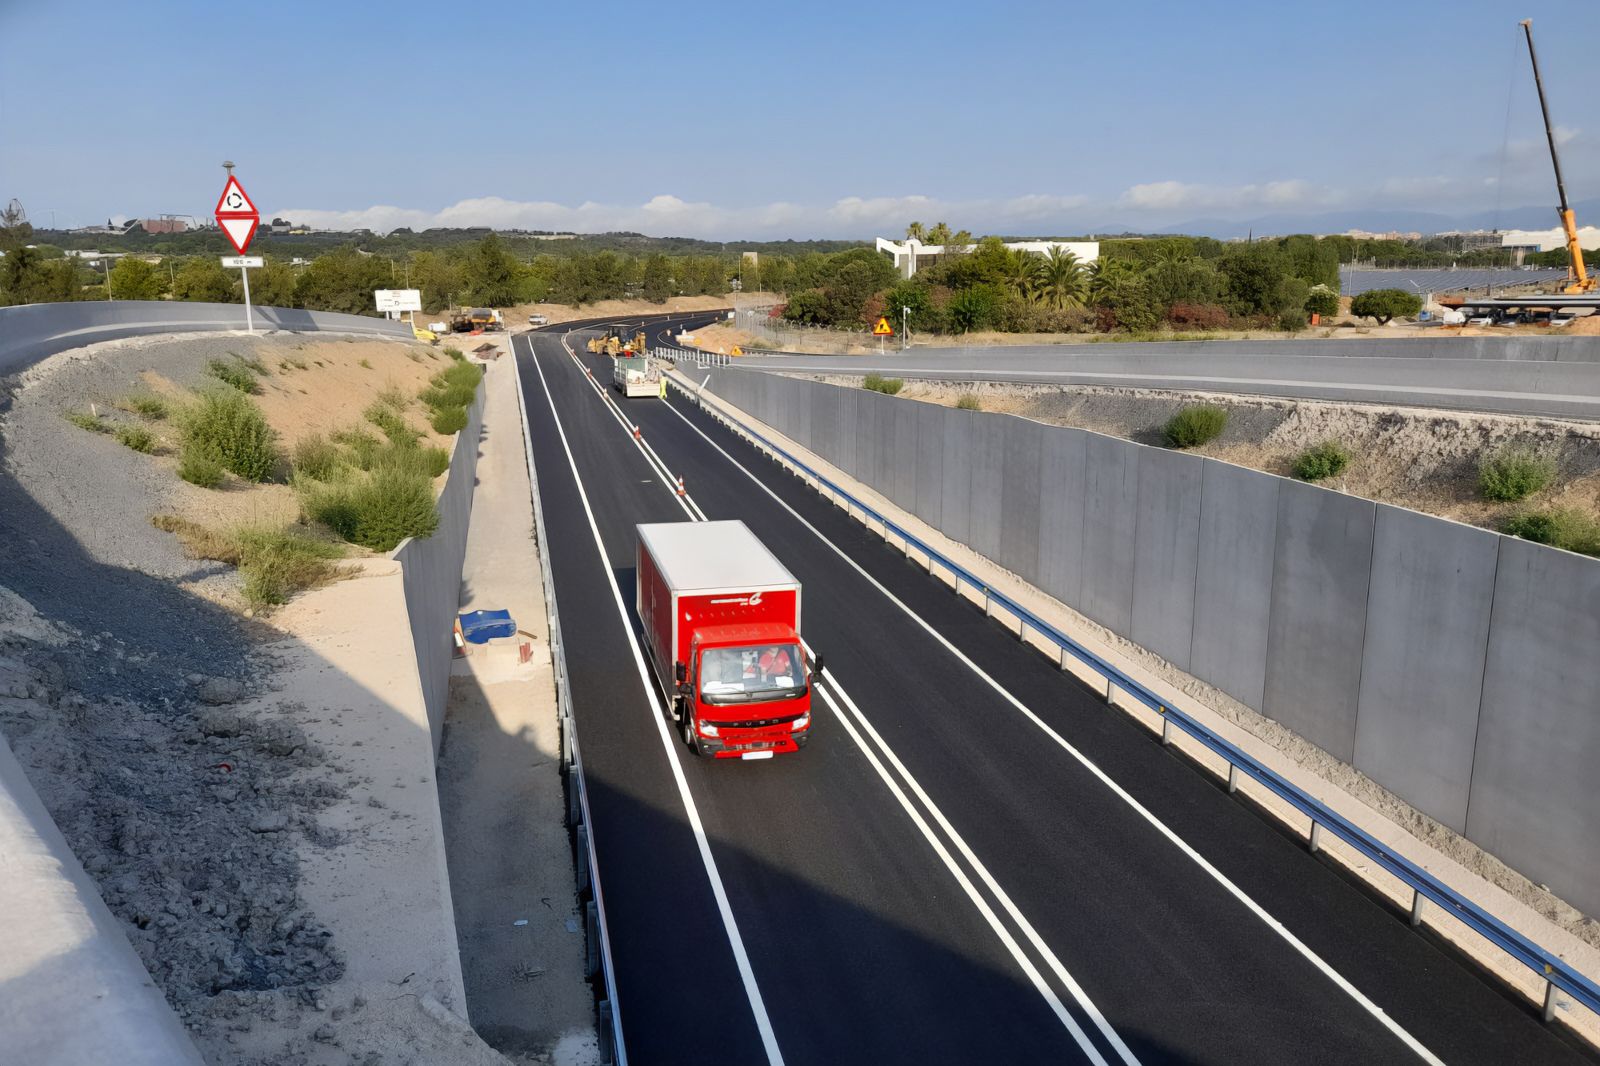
[{"x": 728, "y": 120}]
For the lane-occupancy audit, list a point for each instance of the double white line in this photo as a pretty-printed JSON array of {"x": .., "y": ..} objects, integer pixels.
[{"x": 921, "y": 810}]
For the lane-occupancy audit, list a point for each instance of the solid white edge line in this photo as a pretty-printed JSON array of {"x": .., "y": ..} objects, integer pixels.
[
  {"x": 1238, "y": 893},
  {"x": 621, "y": 1049},
  {"x": 758, "y": 1006}
]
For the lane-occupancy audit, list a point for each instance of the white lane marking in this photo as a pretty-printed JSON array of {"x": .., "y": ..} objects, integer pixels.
[
  {"x": 621, "y": 1050},
  {"x": 689, "y": 506},
  {"x": 1222, "y": 879},
  {"x": 1039, "y": 984},
  {"x": 758, "y": 1006}
]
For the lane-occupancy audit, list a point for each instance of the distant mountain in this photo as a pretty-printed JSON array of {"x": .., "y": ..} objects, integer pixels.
[{"x": 1384, "y": 221}]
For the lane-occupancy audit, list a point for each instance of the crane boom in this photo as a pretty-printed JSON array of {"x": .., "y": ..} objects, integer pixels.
[{"x": 1581, "y": 281}]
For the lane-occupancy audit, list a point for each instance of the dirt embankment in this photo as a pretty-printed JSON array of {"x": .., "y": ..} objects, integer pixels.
[
  {"x": 142, "y": 704},
  {"x": 1424, "y": 460}
]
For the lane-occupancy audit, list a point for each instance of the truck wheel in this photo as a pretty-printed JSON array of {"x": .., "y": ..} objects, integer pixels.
[{"x": 690, "y": 741}]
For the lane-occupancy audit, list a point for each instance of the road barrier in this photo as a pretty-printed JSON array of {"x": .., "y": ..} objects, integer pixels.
[
  {"x": 602, "y": 971},
  {"x": 1425, "y": 888}
]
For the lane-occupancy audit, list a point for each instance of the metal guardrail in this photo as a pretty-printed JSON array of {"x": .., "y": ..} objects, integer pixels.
[
  {"x": 613, "y": 1052},
  {"x": 692, "y": 357},
  {"x": 1425, "y": 887}
]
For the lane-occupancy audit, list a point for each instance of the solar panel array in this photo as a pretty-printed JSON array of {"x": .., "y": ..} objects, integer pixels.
[{"x": 1421, "y": 282}]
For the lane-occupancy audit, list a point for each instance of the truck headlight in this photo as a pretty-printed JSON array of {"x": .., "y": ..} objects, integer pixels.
[
  {"x": 803, "y": 722},
  {"x": 707, "y": 729}
]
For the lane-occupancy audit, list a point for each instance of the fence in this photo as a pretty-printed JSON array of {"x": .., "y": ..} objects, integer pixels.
[
  {"x": 1162, "y": 503},
  {"x": 1452, "y": 665}
]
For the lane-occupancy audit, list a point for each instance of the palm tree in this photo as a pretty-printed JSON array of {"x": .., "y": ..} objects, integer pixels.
[
  {"x": 915, "y": 231},
  {"x": 1024, "y": 273},
  {"x": 939, "y": 234},
  {"x": 1062, "y": 282},
  {"x": 1103, "y": 276}
]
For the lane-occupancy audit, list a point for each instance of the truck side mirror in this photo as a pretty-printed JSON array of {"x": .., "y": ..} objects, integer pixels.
[
  {"x": 816, "y": 664},
  {"x": 680, "y": 673}
]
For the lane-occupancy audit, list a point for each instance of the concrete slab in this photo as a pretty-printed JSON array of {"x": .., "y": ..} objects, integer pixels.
[
  {"x": 1062, "y": 469},
  {"x": 1233, "y": 579},
  {"x": 1110, "y": 500},
  {"x": 1165, "y": 552},
  {"x": 1534, "y": 802},
  {"x": 1422, "y": 669},
  {"x": 902, "y": 484},
  {"x": 1019, "y": 496},
  {"x": 1319, "y": 614},
  {"x": 930, "y": 463},
  {"x": 960, "y": 442},
  {"x": 984, "y": 498}
]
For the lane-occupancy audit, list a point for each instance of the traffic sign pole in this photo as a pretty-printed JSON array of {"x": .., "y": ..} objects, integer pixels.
[{"x": 249, "y": 319}]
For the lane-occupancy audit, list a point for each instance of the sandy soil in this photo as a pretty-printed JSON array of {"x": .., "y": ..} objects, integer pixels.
[
  {"x": 1426, "y": 460},
  {"x": 1528, "y": 907},
  {"x": 722, "y": 339}
]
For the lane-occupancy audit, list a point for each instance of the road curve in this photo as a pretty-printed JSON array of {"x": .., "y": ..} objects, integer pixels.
[{"x": 1556, "y": 388}]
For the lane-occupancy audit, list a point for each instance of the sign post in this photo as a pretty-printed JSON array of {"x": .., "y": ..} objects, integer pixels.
[
  {"x": 882, "y": 330},
  {"x": 238, "y": 217}
]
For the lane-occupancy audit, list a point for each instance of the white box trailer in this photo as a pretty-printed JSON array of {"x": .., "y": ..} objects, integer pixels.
[{"x": 634, "y": 375}]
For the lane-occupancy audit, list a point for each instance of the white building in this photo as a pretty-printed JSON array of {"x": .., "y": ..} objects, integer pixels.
[{"x": 911, "y": 253}]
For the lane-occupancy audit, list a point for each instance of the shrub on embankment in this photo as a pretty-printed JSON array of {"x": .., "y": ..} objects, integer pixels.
[
  {"x": 879, "y": 383},
  {"x": 1194, "y": 425},
  {"x": 226, "y": 428},
  {"x": 1321, "y": 461},
  {"x": 1514, "y": 474},
  {"x": 274, "y": 563}
]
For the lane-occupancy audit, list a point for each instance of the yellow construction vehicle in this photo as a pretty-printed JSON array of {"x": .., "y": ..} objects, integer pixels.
[{"x": 1578, "y": 279}]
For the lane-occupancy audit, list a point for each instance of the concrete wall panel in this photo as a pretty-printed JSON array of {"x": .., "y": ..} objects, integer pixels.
[
  {"x": 1319, "y": 614},
  {"x": 1422, "y": 670},
  {"x": 1534, "y": 802},
  {"x": 866, "y": 441},
  {"x": 902, "y": 486},
  {"x": 955, "y": 475},
  {"x": 846, "y": 446},
  {"x": 1062, "y": 468},
  {"x": 1022, "y": 441},
  {"x": 930, "y": 463},
  {"x": 1166, "y": 540},
  {"x": 824, "y": 402},
  {"x": 1111, "y": 492},
  {"x": 1233, "y": 579},
  {"x": 988, "y": 480}
]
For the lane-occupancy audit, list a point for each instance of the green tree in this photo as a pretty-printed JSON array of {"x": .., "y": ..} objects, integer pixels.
[
  {"x": 1258, "y": 280},
  {"x": 656, "y": 282},
  {"x": 489, "y": 273},
  {"x": 342, "y": 280},
  {"x": 273, "y": 284},
  {"x": 915, "y": 231},
  {"x": 1383, "y": 305},
  {"x": 134, "y": 279},
  {"x": 976, "y": 308},
  {"x": 939, "y": 234},
  {"x": 1323, "y": 301},
  {"x": 207, "y": 281},
  {"x": 1063, "y": 283},
  {"x": 1182, "y": 279}
]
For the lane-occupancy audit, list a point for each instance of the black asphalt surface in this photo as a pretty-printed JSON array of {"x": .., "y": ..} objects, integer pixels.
[{"x": 863, "y": 945}]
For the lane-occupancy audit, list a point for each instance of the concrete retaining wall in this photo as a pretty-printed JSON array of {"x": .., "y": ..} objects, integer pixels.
[
  {"x": 432, "y": 569},
  {"x": 72, "y": 990},
  {"x": 1454, "y": 666},
  {"x": 33, "y": 331}
]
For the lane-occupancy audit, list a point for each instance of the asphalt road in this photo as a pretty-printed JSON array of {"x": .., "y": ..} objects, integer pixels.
[
  {"x": 937, "y": 878},
  {"x": 1547, "y": 388}
]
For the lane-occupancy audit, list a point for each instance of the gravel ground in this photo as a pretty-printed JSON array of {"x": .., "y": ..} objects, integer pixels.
[{"x": 117, "y": 676}]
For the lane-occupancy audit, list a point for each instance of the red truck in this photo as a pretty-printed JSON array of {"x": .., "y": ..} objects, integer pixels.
[{"x": 722, "y": 621}]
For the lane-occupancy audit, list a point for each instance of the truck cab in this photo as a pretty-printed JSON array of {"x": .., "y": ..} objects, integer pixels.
[{"x": 721, "y": 620}]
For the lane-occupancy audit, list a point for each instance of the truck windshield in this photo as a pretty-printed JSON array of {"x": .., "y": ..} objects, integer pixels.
[{"x": 757, "y": 673}]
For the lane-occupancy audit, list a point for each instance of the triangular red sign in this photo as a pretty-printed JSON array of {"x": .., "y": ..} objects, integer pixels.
[
  {"x": 239, "y": 231},
  {"x": 235, "y": 201}
]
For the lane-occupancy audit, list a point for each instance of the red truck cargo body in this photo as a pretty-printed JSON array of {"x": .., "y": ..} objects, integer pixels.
[{"x": 714, "y": 600}]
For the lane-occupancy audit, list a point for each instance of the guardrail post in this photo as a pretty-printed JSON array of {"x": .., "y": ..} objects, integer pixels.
[
  {"x": 1418, "y": 901},
  {"x": 591, "y": 936},
  {"x": 1549, "y": 998},
  {"x": 1111, "y": 693},
  {"x": 1233, "y": 778},
  {"x": 574, "y": 802},
  {"x": 988, "y": 601},
  {"x": 1314, "y": 843},
  {"x": 1166, "y": 728},
  {"x": 583, "y": 858},
  {"x": 607, "y": 1041}
]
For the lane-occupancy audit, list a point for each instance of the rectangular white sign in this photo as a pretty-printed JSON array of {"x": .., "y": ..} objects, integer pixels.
[
  {"x": 398, "y": 299},
  {"x": 254, "y": 262}
]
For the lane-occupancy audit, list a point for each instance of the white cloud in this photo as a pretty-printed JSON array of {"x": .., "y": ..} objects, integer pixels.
[
  {"x": 1164, "y": 197},
  {"x": 668, "y": 215}
]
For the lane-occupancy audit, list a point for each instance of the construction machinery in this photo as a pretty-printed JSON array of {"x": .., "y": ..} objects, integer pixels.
[
  {"x": 475, "y": 320},
  {"x": 613, "y": 345},
  {"x": 1578, "y": 279}
]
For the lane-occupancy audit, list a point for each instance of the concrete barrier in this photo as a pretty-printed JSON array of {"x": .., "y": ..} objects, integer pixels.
[
  {"x": 33, "y": 331},
  {"x": 432, "y": 569},
  {"x": 72, "y": 989},
  {"x": 1454, "y": 666}
]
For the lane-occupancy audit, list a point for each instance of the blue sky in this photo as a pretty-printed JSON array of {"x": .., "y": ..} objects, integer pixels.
[{"x": 825, "y": 119}]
